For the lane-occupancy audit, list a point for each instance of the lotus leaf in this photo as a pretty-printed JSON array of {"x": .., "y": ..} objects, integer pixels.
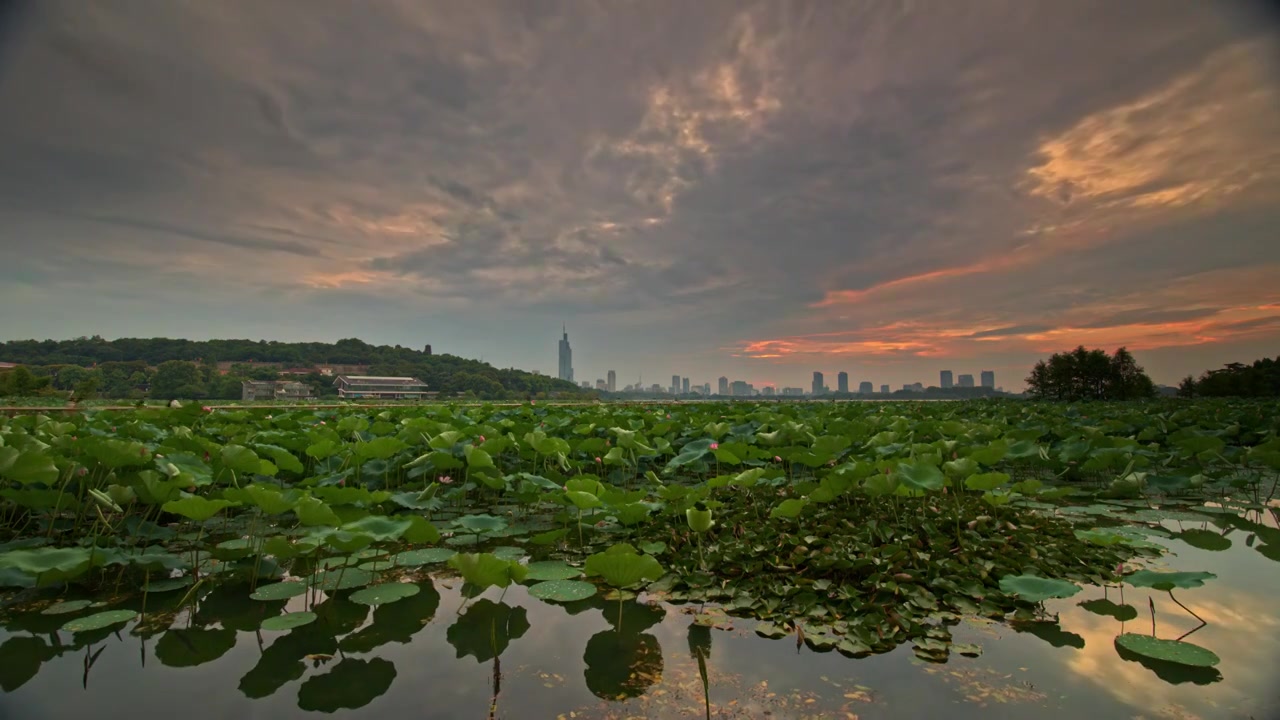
[
  {"x": 1037, "y": 589},
  {"x": 485, "y": 569},
  {"x": 288, "y": 621},
  {"x": 98, "y": 621},
  {"x": 1174, "y": 651},
  {"x": 384, "y": 593},
  {"x": 562, "y": 590},
  {"x": 1168, "y": 580}
]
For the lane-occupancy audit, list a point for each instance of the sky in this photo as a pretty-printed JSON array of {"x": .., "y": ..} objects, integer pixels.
[{"x": 756, "y": 189}]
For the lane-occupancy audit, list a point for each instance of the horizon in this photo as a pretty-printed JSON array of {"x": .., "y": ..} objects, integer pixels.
[{"x": 757, "y": 192}]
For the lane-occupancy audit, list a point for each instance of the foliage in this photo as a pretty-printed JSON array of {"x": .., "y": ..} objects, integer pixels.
[
  {"x": 1260, "y": 379},
  {"x": 1089, "y": 375}
]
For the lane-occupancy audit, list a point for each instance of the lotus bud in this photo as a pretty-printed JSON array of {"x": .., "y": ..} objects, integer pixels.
[
  {"x": 777, "y": 458},
  {"x": 699, "y": 517},
  {"x": 715, "y": 446},
  {"x": 598, "y": 458},
  {"x": 481, "y": 438}
]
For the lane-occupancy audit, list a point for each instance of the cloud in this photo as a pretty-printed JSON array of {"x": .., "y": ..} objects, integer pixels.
[{"x": 755, "y": 188}]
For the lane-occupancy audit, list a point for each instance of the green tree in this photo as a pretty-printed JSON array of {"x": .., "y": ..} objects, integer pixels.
[
  {"x": 1089, "y": 375},
  {"x": 1187, "y": 388},
  {"x": 177, "y": 379}
]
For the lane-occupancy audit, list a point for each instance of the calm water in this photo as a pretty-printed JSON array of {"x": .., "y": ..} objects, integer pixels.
[{"x": 420, "y": 658}]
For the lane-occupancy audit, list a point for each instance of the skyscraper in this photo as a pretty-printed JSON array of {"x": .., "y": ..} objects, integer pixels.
[
  {"x": 566, "y": 357},
  {"x": 865, "y": 388},
  {"x": 884, "y": 389},
  {"x": 613, "y": 381},
  {"x": 989, "y": 379},
  {"x": 684, "y": 385},
  {"x": 818, "y": 387},
  {"x": 965, "y": 381},
  {"x": 947, "y": 381},
  {"x": 675, "y": 384},
  {"x": 724, "y": 386},
  {"x": 842, "y": 382}
]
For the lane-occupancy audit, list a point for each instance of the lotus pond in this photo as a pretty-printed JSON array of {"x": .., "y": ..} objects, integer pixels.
[{"x": 613, "y": 561}]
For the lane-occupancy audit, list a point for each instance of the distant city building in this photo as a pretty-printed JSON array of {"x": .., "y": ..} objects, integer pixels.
[
  {"x": 767, "y": 391},
  {"x": 818, "y": 387},
  {"x": 566, "y": 357},
  {"x": 906, "y": 387},
  {"x": 675, "y": 384},
  {"x": 684, "y": 384},
  {"x": 842, "y": 381},
  {"x": 613, "y": 381},
  {"x": 601, "y": 384},
  {"x": 381, "y": 388},
  {"x": 989, "y": 379},
  {"x": 742, "y": 388},
  {"x": 946, "y": 380},
  {"x": 884, "y": 389},
  {"x": 585, "y": 385},
  {"x": 706, "y": 389},
  {"x": 965, "y": 381},
  {"x": 655, "y": 388},
  {"x": 791, "y": 391},
  {"x": 865, "y": 388},
  {"x": 724, "y": 385},
  {"x": 917, "y": 387}
]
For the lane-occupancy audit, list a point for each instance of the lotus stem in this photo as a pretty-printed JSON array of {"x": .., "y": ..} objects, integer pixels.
[{"x": 1184, "y": 607}]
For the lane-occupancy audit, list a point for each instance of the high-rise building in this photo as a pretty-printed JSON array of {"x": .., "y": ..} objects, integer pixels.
[
  {"x": 613, "y": 381},
  {"x": 842, "y": 382},
  {"x": 684, "y": 385},
  {"x": 566, "y": 357},
  {"x": 884, "y": 389},
  {"x": 742, "y": 388},
  {"x": 989, "y": 379},
  {"x": 601, "y": 384},
  {"x": 964, "y": 381},
  {"x": 767, "y": 391},
  {"x": 675, "y": 384},
  {"x": 917, "y": 387},
  {"x": 817, "y": 383},
  {"x": 724, "y": 385},
  {"x": 865, "y": 388},
  {"x": 792, "y": 392},
  {"x": 946, "y": 381},
  {"x": 655, "y": 388},
  {"x": 706, "y": 389},
  {"x": 585, "y": 385}
]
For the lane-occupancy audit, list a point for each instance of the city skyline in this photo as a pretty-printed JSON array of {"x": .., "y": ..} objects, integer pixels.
[{"x": 757, "y": 190}]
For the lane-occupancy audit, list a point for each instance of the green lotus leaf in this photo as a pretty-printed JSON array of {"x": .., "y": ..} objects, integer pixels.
[
  {"x": 986, "y": 481},
  {"x": 380, "y": 527},
  {"x": 241, "y": 459},
  {"x": 384, "y": 593},
  {"x": 279, "y": 591},
  {"x": 28, "y": 467},
  {"x": 426, "y": 556},
  {"x": 1168, "y": 580},
  {"x": 622, "y": 569},
  {"x": 98, "y": 621},
  {"x": 919, "y": 476},
  {"x": 196, "y": 508},
  {"x": 66, "y": 607},
  {"x": 1037, "y": 589},
  {"x": 563, "y": 590},
  {"x": 481, "y": 523},
  {"x": 288, "y": 621},
  {"x": 789, "y": 508},
  {"x": 1174, "y": 651},
  {"x": 485, "y": 569},
  {"x": 167, "y": 584},
  {"x": 552, "y": 570}
]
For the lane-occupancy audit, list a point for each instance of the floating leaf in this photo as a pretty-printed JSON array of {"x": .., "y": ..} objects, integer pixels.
[
  {"x": 563, "y": 590},
  {"x": 552, "y": 570},
  {"x": 288, "y": 621},
  {"x": 485, "y": 569},
  {"x": 1168, "y": 580},
  {"x": 1037, "y": 589},
  {"x": 1174, "y": 651},
  {"x": 384, "y": 593},
  {"x": 98, "y": 621},
  {"x": 66, "y": 606},
  {"x": 426, "y": 556},
  {"x": 279, "y": 591}
]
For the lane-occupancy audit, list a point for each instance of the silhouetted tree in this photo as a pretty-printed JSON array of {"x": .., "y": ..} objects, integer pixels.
[{"x": 1089, "y": 375}]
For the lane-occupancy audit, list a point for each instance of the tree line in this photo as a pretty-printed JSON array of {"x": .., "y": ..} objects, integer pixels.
[
  {"x": 1261, "y": 379},
  {"x": 164, "y": 368}
]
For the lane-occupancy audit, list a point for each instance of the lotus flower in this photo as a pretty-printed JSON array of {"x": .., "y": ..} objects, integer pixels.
[
  {"x": 598, "y": 458},
  {"x": 481, "y": 438},
  {"x": 342, "y": 482},
  {"x": 715, "y": 446},
  {"x": 206, "y": 408},
  {"x": 777, "y": 458},
  {"x": 445, "y": 480}
]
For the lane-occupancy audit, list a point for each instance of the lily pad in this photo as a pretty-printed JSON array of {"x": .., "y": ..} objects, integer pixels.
[
  {"x": 426, "y": 556},
  {"x": 384, "y": 593},
  {"x": 1168, "y": 580},
  {"x": 563, "y": 590},
  {"x": 509, "y": 552},
  {"x": 97, "y": 621},
  {"x": 167, "y": 584},
  {"x": 343, "y": 579},
  {"x": 279, "y": 591},
  {"x": 66, "y": 606},
  {"x": 552, "y": 570},
  {"x": 288, "y": 621},
  {"x": 1174, "y": 651},
  {"x": 1037, "y": 589}
]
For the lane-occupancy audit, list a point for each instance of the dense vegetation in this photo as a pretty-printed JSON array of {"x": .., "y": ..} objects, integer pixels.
[
  {"x": 1089, "y": 375},
  {"x": 164, "y": 368},
  {"x": 853, "y": 526},
  {"x": 1261, "y": 379}
]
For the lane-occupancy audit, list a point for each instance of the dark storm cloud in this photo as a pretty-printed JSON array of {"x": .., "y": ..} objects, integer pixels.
[{"x": 988, "y": 171}]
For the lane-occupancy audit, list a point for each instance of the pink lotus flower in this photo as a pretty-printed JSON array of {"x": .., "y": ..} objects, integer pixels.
[
  {"x": 668, "y": 416},
  {"x": 1119, "y": 568},
  {"x": 342, "y": 482},
  {"x": 715, "y": 446},
  {"x": 481, "y": 438},
  {"x": 445, "y": 480},
  {"x": 777, "y": 458},
  {"x": 597, "y": 458},
  {"x": 82, "y": 471},
  {"x": 206, "y": 408}
]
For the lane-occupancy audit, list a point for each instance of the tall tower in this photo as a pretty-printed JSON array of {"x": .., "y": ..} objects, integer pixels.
[
  {"x": 613, "y": 381},
  {"x": 566, "y": 357},
  {"x": 684, "y": 385},
  {"x": 724, "y": 385},
  {"x": 675, "y": 384},
  {"x": 842, "y": 382},
  {"x": 818, "y": 388},
  {"x": 988, "y": 379},
  {"x": 946, "y": 380}
]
